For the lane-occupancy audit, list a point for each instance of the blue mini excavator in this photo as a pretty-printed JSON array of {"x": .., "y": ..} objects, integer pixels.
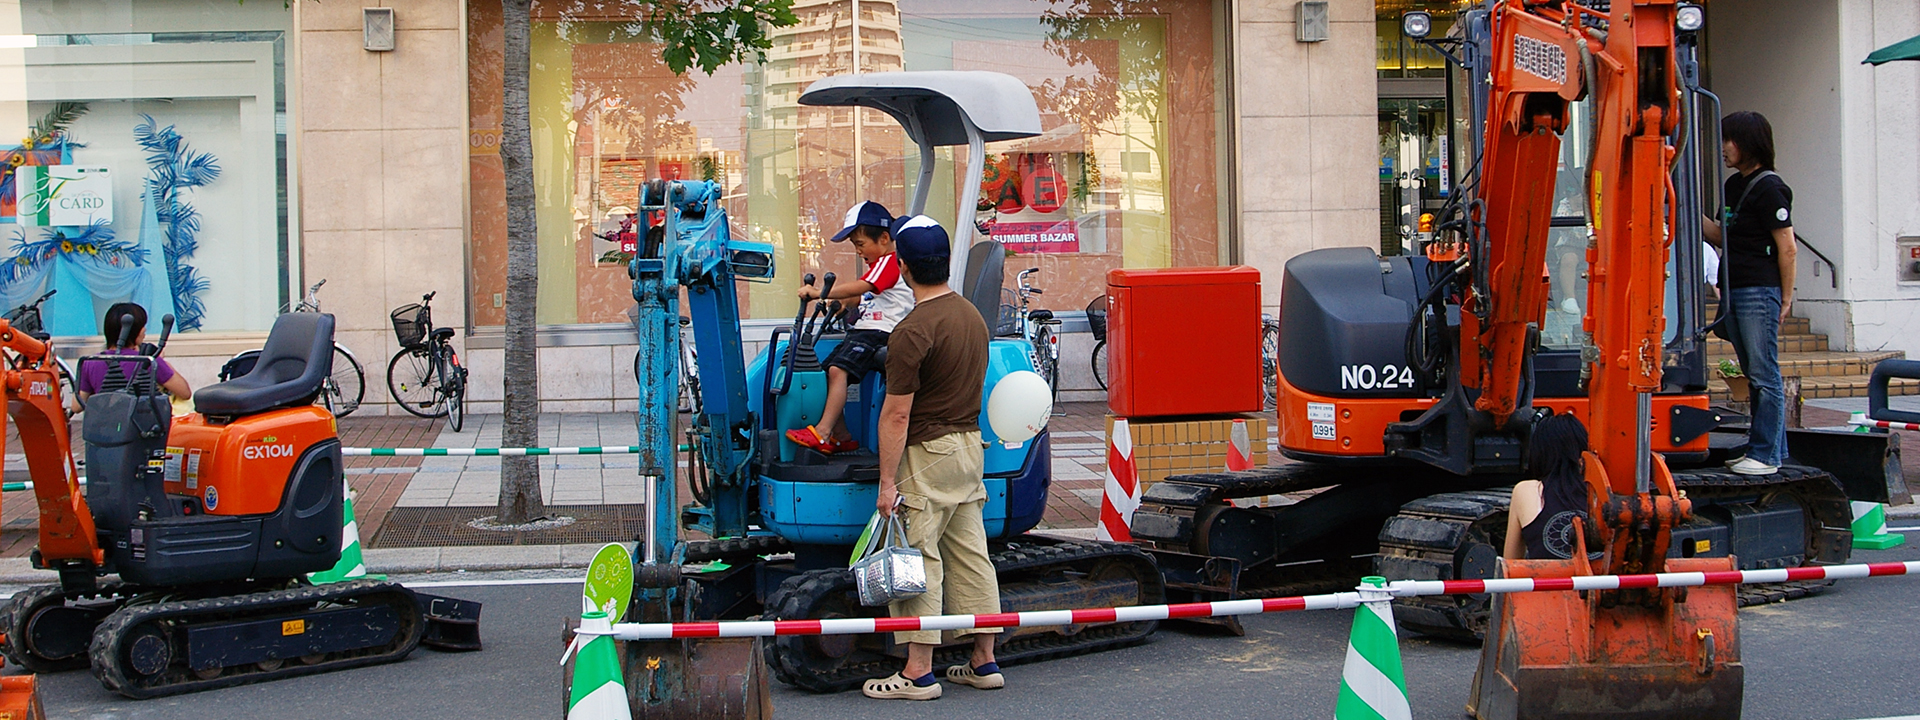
[{"x": 782, "y": 518}]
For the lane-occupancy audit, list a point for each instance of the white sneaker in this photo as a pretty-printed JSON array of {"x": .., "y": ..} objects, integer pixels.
[
  {"x": 1735, "y": 461},
  {"x": 1750, "y": 466},
  {"x": 1570, "y": 306}
]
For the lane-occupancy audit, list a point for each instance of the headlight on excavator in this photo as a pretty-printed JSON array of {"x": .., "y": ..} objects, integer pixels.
[
  {"x": 1689, "y": 17},
  {"x": 1417, "y": 24}
]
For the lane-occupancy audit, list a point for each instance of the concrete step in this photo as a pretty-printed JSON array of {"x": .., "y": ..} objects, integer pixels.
[
  {"x": 1717, "y": 348},
  {"x": 1830, "y": 364},
  {"x": 1793, "y": 325},
  {"x": 1825, "y": 386}
]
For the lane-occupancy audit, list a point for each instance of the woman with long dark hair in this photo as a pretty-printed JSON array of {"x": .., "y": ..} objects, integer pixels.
[
  {"x": 1756, "y": 231},
  {"x": 1545, "y": 512}
]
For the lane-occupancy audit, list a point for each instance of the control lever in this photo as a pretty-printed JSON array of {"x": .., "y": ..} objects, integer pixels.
[
  {"x": 819, "y": 310},
  {"x": 785, "y": 369},
  {"x": 166, "y": 331}
]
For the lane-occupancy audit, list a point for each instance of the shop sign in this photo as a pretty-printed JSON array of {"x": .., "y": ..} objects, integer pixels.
[
  {"x": 63, "y": 195},
  {"x": 1038, "y": 237}
]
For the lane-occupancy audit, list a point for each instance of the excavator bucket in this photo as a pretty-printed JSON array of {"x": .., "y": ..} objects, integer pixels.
[
  {"x": 20, "y": 698},
  {"x": 1609, "y": 654},
  {"x": 718, "y": 678}
]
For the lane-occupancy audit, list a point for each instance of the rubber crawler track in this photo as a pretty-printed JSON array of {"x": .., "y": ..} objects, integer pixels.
[
  {"x": 109, "y": 654},
  {"x": 793, "y": 659},
  {"x": 737, "y": 548},
  {"x": 1427, "y": 539},
  {"x": 13, "y": 622}
]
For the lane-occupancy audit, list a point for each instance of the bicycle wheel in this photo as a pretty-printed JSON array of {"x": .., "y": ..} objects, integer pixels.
[
  {"x": 69, "y": 393},
  {"x": 347, "y": 385},
  {"x": 415, "y": 384},
  {"x": 453, "y": 389},
  {"x": 1270, "y": 361},
  {"x": 1043, "y": 360},
  {"x": 1100, "y": 364}
]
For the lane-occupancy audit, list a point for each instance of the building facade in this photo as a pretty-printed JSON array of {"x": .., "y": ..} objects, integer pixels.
[{"x": 1175, "y": 133}]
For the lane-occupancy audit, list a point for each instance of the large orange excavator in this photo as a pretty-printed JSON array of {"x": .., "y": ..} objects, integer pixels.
[
  {"x": 1631, "y": 652},
  {"x": 1408, "y": 386},
  {"x": 207, "y": 525}
]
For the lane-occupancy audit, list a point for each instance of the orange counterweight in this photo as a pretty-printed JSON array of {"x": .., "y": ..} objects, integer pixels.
[{"x": 241, "y": 467}]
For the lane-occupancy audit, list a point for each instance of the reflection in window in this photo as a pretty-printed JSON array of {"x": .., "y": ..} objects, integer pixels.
[
  {"x": 1126, "y": 172},
  {"x": 143, "y": 159}
]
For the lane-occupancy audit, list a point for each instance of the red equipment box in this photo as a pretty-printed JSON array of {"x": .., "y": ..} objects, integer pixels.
[{"x": 1183, "y": 341}]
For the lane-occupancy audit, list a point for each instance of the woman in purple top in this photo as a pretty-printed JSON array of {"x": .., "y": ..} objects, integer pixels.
[{"x": 93, "y": 374}]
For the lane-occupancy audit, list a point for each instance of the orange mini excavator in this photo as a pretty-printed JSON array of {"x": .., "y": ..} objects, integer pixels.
[{"x": 211, "y": 522}]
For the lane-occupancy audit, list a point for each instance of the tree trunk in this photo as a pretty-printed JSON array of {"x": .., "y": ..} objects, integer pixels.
[{"x": 520, "y": 476}]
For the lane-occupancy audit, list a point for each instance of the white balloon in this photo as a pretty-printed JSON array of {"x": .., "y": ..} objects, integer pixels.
[{"x": 1019, "y": 406}]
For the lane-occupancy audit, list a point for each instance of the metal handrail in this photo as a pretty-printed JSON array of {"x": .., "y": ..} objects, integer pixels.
[{"x": 1833, "y": 271}]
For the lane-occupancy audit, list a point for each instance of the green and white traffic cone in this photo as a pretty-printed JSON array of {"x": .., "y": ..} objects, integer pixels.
[
  {"x": 352, "y": 565},
  {"x": 1870, "y": 527},
  {"x": 597, "y": 693},
  {"x": 1372, "y": 686}
]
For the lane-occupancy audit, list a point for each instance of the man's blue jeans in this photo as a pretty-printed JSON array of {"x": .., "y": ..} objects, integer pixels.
[{"x": 1754, "y": 330}]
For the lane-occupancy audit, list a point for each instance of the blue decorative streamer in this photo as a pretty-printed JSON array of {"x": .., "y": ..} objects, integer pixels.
[{"x": 173, "y": 168}]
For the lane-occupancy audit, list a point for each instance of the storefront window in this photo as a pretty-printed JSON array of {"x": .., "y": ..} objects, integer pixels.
[
  {"x": 1126, "y": 173},
  {"x": 143, "y": 158},
  {"x": 1415, "y": 148}
]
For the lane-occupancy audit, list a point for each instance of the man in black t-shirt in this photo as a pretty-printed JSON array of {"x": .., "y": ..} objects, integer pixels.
[{"x": 1756, "y": 232}]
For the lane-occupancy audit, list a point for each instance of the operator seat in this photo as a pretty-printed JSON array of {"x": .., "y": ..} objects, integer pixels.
[
  {"x": 986, "y": 273},
  {"x": 291, "y": 370}
]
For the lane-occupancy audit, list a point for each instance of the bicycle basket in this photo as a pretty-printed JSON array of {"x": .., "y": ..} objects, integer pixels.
[
  {"x": 1097, "y": 318},
  {"x": 410, "y": 325}
]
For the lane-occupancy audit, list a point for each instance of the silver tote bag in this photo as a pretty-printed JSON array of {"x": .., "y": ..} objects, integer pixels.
[{"x": 891, "y": 570}]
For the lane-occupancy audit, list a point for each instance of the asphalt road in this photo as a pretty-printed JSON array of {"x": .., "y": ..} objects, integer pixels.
[{"x": 1846, "y": 654}]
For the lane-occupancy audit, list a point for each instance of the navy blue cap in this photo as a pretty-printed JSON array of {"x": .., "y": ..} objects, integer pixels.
[
  {"x": 919, "y": 237},
  {"x": 865, "y": 213}
]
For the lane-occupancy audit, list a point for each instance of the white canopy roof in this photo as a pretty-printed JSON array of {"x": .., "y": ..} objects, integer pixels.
[{"x": 998, "y": 104}]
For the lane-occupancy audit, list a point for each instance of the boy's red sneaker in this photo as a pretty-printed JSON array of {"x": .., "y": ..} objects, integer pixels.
[{"x": 810, "y": 437}]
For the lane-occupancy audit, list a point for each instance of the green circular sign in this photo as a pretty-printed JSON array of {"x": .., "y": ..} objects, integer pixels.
[{"x": 609, "y": 584}]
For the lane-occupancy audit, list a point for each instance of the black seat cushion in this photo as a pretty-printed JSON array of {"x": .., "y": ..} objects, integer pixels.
[
  {"x": 443, "y": 333},
  {"x": 1039, "y": 315},
  {"x": 290, "y": 370}
]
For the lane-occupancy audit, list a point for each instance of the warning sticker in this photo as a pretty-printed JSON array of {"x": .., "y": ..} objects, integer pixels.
[
  {"x": 1323, "y": 431},
  {"x": 293, "y": 627},
  {"x": 1320, "y": 412},
  {"x": 174, "y": 456},
  {"x": 192, "y": 471}
]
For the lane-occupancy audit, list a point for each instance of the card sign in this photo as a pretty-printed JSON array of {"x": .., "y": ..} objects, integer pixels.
[{"x": 63, "y": 195}]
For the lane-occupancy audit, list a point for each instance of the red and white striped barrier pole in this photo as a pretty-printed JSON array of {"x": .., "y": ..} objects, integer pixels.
[
  {"x": 1229, "y": 608},
  {"x": 1122, "y": 495},
  {"x": 1861, "y": 420}
]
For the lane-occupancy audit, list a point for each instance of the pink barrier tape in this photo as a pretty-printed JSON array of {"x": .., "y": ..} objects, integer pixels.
[{"x": 1228, "y": 608}]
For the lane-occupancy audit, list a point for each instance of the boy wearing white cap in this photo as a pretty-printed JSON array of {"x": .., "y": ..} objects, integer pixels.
[{"x": 887, "y": 301}]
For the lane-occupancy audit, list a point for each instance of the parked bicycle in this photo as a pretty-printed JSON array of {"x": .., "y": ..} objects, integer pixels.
[
  {"x": 689, "y": 368},
  {"x": 1270, "y": 358},
  {"x": 1040, "y": 329},
  {"x": 27, "y": 319},
  {"x": 426, "y": 377},
  {"x": 346, "y": 384},
  {"x": 1097, "y": 322}
]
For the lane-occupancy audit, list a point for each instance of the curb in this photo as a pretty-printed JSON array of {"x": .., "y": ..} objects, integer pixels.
[
  {"x": 400, "y": 561},
  {"x": 479, "y": 558}
]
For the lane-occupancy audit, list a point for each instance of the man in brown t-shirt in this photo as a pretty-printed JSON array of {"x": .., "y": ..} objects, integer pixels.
[{"x": 931, "y": 462}]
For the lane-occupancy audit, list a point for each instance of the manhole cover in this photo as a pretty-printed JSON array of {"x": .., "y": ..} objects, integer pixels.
[{"x": 430, "y": 527}]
